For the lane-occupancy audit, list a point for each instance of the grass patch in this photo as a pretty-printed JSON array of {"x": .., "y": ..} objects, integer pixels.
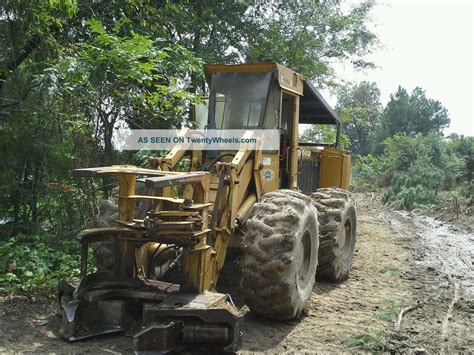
[
  {"x": 392, "y": 310},
  {"x": 367, "y": 342}
]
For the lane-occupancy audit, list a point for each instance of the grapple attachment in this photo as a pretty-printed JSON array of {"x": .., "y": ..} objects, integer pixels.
[
  {"x": 160, "y": 316},
  {"x": 182, "y": 321}
]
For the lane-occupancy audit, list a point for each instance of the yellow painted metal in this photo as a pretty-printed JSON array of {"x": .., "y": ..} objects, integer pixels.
[
  {"x": 335, "y": 168},
  {"x": 145, "y": 252},
  {"x": 235, "y": 198},
  {"x": 287, "y": 78},
  {"x": 196, "y": 157},
  {"x": 223, "y": 236},
  {"x": 198, "y": 270},
  {"x": 240, "y": 158},
  {"x": 243, "y": 181},
  {"x": 270, "y": 171},
  {"x": 251, "y": 174},
  {"x": 294, "y": 142},
  {"x": 257, "y": 170},
  {"x": 246, "y": 208},
  {"x": 176, "y": 154},
  {"x": 126, "y": 211},
  {"x": 346, "y": 172},
  {"x": 126, "y": 188},
  {"x": 290, "y": 80}
]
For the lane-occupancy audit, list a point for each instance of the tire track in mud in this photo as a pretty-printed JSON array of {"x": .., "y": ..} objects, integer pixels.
[
  {"x": 444, "y": 267},
  {"x": 444, "y": 247}
]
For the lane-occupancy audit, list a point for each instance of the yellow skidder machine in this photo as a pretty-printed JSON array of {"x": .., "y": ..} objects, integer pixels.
[{"x": 288, "y": 209}]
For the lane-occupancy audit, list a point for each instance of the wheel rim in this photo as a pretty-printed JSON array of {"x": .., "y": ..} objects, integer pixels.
[
  {"x": 306, "y": 262},
  {"x": 346, "y": 240}
]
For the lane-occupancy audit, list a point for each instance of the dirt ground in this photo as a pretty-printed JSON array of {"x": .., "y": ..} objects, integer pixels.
[{"x": 411, "y": 290}]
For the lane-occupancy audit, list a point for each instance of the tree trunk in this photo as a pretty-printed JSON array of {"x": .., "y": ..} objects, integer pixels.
[{"x": 196, "y": 44}]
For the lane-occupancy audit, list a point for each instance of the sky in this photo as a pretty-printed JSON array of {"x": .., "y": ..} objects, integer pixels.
[{"x": 427, "y": 44}]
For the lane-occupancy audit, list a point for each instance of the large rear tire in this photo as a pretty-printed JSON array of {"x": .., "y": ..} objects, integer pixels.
[
  {"x": 337, "y": 228},
  {"x": 281, "y": 252}
]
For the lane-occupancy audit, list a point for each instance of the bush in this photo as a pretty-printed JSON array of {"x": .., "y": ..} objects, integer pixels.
[
  {"x": 417, "y": 187},
  {"x": 422, "y": 166},
  {"x": 369, "y": 173},
  {"x": 414, "y": 169},
  {"x": 33, "y": 264}
]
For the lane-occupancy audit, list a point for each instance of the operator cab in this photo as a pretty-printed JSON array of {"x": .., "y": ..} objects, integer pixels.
[{"x": 270, "y": 96}]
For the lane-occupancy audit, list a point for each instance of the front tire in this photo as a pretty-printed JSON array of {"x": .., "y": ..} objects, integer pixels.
[{"x": 281, "y": 252}]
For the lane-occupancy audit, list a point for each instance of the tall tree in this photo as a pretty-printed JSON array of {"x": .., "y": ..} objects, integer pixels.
[
  {"x": 410, "y": 114},
  {"x": 306, "y": 36},
  {"x": 113, "y": 78},
  {"x": 28, "y": 34},
  {"x": 309, "y": 36},
  {"x": 63, "y": 97},
  {"x": 359, "y": 106}
]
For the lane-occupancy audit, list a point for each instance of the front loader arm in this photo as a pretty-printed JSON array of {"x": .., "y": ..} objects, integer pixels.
[
  {"x": 174, "y": 156},
  {"x": 240, "y": 196}
]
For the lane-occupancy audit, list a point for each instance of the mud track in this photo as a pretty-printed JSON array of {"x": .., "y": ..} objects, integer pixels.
[{"x": 411, "y": 290}]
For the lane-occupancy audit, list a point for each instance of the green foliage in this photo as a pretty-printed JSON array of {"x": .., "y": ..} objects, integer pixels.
[
  {"x": 409, "y": 114},
  {"x": 422, "y": 166},
  {"x": 323, "y": 134},
  {"x": 36, "y": 159},
  {"x": 372, "y": 342},
  {"x": 140, "y": 157},
  {"x": 391, "y": 312},
  {"x": 359, "y": 108},
  {"x": 36, "y": 264},
  {"x": 27, "y": 31},
  {"x": 369, "y": 173},
  {"x": 308, "y": 36},
  {"x": 413, "y": 169},
  {"x": 74, "y": 101},
  {"x": 464, "y": 148},
  {"x": 215, "y": 31},
  {"x": 414, "y": 188},
  {"x": 114, "y": 78},
  {"x": 409, "y": 156}
]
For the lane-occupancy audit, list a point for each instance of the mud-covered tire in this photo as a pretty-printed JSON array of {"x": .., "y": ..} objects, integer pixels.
[
  {"x": 337, "y": 230},
  {"x": 281, "y": 252}
]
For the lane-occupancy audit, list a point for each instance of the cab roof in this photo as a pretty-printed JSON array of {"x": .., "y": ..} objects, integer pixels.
[{"x": 314, "y": 109}]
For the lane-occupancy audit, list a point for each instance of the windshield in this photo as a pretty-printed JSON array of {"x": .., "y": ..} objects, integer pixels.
[{"x": 238, "y": 100}]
